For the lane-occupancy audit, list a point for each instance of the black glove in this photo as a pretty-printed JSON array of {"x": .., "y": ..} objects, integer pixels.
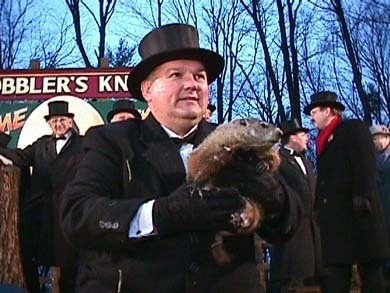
[
  {"x": 361, "y": 206},
  {"x": 186, "y": 210},
  {"x": 253, "y": 180}
]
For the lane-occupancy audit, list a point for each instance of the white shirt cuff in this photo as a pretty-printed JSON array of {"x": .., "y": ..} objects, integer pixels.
[{"x": 142, "y": 223}]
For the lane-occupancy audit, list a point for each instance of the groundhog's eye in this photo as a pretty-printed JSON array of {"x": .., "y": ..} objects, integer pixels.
[{"x": 264, "y": 125}]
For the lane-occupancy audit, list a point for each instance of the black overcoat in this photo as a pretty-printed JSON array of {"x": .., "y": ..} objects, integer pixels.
[
  {"x": 347, "y": 169},
  {"x": 50, "y": 174},
  {"x": 126, "y": 164},
  {"x": 299, "y": 257}
]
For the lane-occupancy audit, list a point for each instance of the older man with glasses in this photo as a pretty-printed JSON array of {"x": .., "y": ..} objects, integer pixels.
[{"x": 53, "y": 159}]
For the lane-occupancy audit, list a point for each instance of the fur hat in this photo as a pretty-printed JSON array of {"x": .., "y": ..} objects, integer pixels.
[
  {"x": 4, "y": 139},
  {"x": 324, "y": 98},
  {"x": 167, "y": 43},
  {"x": 379, "y": 129},
  {"x": 292, "y": 126},
  {"x": 123, "y": 106},
  {"x": 58, "y": 108}
]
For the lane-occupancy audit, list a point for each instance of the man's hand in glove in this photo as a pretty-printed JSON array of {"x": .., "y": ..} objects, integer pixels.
[
  {"x": 253, "y": 181},
  {"x": 361, "y": 206},
  {"x": 185, "y": 210}
]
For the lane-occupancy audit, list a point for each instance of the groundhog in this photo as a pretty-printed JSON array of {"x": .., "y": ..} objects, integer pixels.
[{"x": 214, "y": 164}]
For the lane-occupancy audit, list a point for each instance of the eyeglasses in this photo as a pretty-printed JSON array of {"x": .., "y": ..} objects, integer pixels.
[{"x": 58, "y": 120}]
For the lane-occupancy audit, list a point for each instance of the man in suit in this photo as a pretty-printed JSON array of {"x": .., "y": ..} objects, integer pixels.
[
  {"x": 350, "y": 216},
  {"x": 138, "y": 225},
  {"x": 53, "y": 159},
  {"x": 123, "y": 110},
  {"x": 297, "y": 261},
  {"x": 381, "y": 138}
]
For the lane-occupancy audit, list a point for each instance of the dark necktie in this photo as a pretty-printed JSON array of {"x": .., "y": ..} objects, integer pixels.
[{"x": 60, "y": 138}]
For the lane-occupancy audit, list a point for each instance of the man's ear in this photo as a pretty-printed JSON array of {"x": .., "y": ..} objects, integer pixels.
[{"x": 145, "y": 89}]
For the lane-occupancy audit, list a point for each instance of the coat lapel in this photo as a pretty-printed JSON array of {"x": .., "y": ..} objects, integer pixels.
[{"x": 163, "y": 154}]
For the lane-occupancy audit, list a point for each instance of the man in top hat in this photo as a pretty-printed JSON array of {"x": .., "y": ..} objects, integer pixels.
[
  {"x": 350, "y": 215},
  {"x": 138, "y": 225},
  {"x": 297, "y": 261},
  {"x": 123, "y": 110},
  {"x": 381, "y": 137},
  {"x": 53, "y": 159}
]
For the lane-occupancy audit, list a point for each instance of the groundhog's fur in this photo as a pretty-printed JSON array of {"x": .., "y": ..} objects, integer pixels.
[{"x": 207, "y": 163}]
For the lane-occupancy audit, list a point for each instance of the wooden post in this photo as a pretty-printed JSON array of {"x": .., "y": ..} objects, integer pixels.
[
  {"x": 11, "y": 269},
  {"x": 35, "y": 64},
  {"x": 104, "y": 62}
]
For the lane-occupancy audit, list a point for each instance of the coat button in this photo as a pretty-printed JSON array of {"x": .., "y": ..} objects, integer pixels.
[
  {"x": 102, "y": 224},
  {"x": 194, "y": 268},
  {"x": 115, "y": 225},
  {"x": 324, "y": 200},
  {"x": 108, "y": 225}
]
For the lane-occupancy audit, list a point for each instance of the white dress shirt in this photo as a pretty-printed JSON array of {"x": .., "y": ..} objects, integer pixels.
[
  {"x": 298, "y": 159},
  {"x": 142, "y": 223},
  {"x": 60, "y": 143}
]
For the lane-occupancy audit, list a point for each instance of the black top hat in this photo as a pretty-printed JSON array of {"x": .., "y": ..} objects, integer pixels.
[
  {"x": 58, "y": 108},
  {"x": 123, "y": 106},
  {"x": 4, "y": 139},
  {"x": 290, "y": 127},
  {"x": 324, "y": 98},
  {"x": 211, "y": 107},
  {"x": 171, "y": 42}
]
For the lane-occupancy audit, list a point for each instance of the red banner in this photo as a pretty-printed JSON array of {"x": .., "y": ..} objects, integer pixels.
[{"x": 99, "y": 83}]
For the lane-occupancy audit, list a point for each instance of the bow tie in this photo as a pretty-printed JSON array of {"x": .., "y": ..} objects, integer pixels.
[
  {"x": 295, "y": 154},
  {"x": 60, "y": 138},
  {"x": 187, "y": 139}
]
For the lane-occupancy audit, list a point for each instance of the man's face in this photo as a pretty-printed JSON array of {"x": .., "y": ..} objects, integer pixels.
[
  {"x": 300, "y": 141},
  {"x": 381, "y": 141},
  {"x": 60, "y": 125},
  {"x": 177, "y": 93},
  {"x": 121, "y": 116},
  {"x": 320, "y": 117}
]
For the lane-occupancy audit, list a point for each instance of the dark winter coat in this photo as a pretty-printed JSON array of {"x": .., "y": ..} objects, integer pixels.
[
  {"x": 50, "y": 174},
  {"x": 347, "y": 169},
  {"x": 299, "y": 257},
  {"x": 126, "y": 164},
  {"x": 383, "y": 181}
]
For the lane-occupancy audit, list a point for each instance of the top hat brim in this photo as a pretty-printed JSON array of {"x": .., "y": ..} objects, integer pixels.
[
  {"x": 70, "y": 115},
  {"x": 213, "y": 62},
  {"x": 333, "y": 104},
  {"x": 112, "y": 113},
  {"x": 296, "y": 130}
]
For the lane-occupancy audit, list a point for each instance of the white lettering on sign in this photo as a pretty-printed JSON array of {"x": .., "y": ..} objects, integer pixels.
[
  {"x": 65, "y": 84},
  {"x": 111, "y": 83},
  {"x": 81, "y": 84}
]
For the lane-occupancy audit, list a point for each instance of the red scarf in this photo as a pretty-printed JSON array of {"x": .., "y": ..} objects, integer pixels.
[{"x": 326, "y": 135}]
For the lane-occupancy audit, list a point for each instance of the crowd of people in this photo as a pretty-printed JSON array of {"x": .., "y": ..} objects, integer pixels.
[{"x": 112, "y": 209}]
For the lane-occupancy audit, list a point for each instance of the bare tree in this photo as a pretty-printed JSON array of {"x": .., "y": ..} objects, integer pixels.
[
  {"x": 353, "y": 56},
  {"x": 53, "y": 48},
  {"x": 106, "y": 11},
  {"x": 258, "y": 16},
  {"x": 375, "y": 57},
  {"x": 14, "y": 23},
  {"x": 122, "y": 55}
]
